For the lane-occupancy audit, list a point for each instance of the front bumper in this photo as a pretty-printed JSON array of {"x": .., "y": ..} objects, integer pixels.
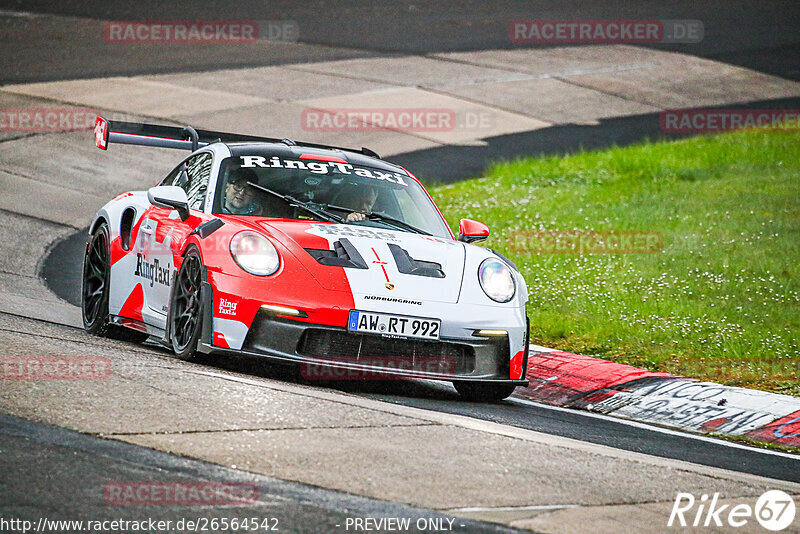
[{"x": 332, "y": 353}]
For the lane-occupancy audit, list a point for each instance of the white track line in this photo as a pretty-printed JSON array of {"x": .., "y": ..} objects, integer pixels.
[
  {"x": 312, "y": 392},
  {"x": 500, "y": 429},
  {"x": 513, "y": 508},
  {"x": 654, "y": 428}
]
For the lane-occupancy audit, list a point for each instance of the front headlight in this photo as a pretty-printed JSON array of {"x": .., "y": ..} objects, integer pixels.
[
  {"x": 254, "y": 253},
  {"x": 496, "y": 280}
]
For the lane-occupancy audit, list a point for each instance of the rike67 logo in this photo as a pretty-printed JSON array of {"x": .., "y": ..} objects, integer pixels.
[{"x": 775, "y": 510}]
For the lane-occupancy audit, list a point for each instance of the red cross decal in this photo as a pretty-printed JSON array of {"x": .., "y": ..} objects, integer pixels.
[{"x": 383, "y": 264}]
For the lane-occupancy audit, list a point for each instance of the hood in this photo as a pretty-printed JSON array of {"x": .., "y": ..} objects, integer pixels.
[{"x": 379, "y": 264}]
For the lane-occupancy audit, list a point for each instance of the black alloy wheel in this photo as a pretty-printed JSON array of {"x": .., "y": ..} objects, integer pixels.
[
  {"x": 186, "y": 310},
  {"x": 95, "y": 290},
  {"x": 94, "y": 294}
]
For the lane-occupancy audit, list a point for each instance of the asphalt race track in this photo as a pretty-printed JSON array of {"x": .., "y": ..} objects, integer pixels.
[
  {"x": 762, "y": 37},
  {"x": 61, "y": 270},
  {"x": 70, "y": 456},
  {"x": 765, "y": 38}
]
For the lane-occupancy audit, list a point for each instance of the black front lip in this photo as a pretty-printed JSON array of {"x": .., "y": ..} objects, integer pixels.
[
  {"x": 375, "y": 373},
  {"x": 284, "y": 336},
  {"x": 282, "y": 349}
]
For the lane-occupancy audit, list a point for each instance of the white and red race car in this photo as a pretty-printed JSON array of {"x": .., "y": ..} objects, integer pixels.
[{"x": 320, "y": 256}]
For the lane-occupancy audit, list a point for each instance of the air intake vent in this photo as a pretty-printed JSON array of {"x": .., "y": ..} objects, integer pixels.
[
  {"x": 408, "y": 265},
  {"x": 335, "y": 345},
  {"x": 344, "y": 254}
]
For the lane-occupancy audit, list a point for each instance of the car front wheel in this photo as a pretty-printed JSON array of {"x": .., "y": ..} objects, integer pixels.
[{"x": 186, "y": 310}]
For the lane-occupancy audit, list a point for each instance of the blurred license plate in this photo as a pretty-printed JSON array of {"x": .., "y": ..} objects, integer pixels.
[{"x": 393, "y": 325}]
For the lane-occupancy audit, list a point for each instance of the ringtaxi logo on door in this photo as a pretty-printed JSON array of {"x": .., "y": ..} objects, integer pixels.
[{"x": 775, "y": 510}]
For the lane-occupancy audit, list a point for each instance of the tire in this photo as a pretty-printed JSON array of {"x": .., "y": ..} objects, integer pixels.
[
  {"x": 185, "y": 307},
  {"x": 95, "y": 287},
  {"x": 483, "y": 392}
]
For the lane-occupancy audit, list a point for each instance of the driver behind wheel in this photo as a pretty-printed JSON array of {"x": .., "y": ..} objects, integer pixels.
[
  {"x": 361, "y": 200},
  {"x": 240, "y": 198}
]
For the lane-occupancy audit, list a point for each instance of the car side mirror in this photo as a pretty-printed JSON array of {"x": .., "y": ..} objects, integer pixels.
[
  {"x": 170, "y": 197},
  {"x": 470, "y": 231}
]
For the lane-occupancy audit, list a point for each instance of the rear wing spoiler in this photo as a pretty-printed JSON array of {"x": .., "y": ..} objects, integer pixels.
[{"x": 186, "y": 138}]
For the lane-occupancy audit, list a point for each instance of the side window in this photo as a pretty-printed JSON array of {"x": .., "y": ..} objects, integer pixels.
[
  {"x": 195, "y": 181},
  {"x": 199, "y": 169},
  {"x": 171, "y": 177}
]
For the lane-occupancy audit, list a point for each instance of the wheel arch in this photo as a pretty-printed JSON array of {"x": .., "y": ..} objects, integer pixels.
[
  {"x": 192, "y": 242},
  {"x": 99, "y": 220}
]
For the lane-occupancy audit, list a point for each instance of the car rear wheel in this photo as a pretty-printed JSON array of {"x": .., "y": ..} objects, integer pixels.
[
  {"x": 186, "y": 307},
  {"x": 483, "y": 392},
  {"x": 96, "y": 287}
]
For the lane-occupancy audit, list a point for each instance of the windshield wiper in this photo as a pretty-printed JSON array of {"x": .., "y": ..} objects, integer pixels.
[
  {"x": 326, "y": 215},
  {"x": 380, "y": 216},
  {"x": 299, "y": 204}
]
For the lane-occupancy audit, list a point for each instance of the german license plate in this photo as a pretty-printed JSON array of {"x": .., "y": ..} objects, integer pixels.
[{"x": 393, "y": 325}]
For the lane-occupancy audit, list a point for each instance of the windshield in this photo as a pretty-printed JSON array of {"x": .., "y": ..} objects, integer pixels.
[{"x": 276, "y": 186}]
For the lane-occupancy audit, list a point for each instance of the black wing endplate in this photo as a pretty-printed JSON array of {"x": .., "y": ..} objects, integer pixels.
[{"x": 186, "y": 138}]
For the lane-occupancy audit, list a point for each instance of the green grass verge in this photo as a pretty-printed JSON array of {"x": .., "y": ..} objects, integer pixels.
[{"x": 720, "y": 301}]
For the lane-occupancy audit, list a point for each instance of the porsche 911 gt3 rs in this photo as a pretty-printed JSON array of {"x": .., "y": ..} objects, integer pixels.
[{"x": 326, "y": 257}]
